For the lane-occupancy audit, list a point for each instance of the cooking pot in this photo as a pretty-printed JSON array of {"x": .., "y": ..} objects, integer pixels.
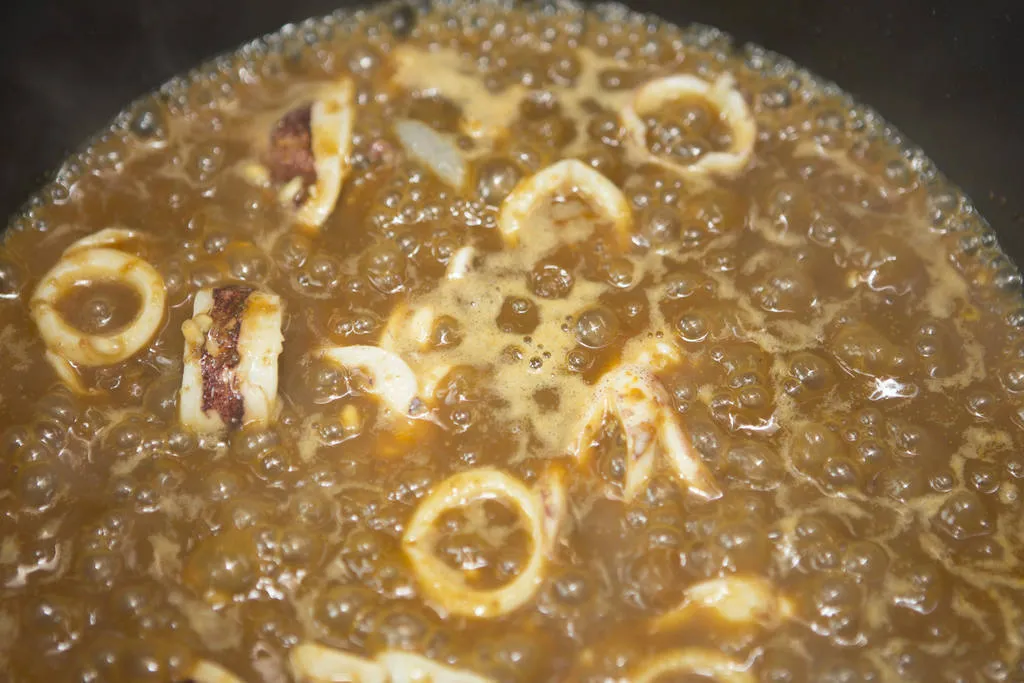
[{"x": 943, "y": 72}]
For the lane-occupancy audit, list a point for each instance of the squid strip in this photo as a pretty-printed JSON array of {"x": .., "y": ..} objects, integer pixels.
[{"x": 232, "y": 343}]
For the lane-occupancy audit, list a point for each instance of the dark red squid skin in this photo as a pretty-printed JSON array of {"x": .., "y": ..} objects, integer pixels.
[
  {"x": 220, "y": 391},
  {"x": 291, "y": 150}
]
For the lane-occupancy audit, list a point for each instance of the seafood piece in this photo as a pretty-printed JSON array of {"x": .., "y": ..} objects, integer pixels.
[
  {"x": 638, "y": 401},
  {"x": 431, "y": 378},
  {"x": 406, "y": 667},
  {"x": 655, "y": 356},
  {"x": 107, "y": 237},
  {"x": 696, "y": 661},
  {"x": 206, "y": 671},
  {"x": 551, "y": 492},
  {"x": 442, "y": 73},
  {"x": 84, "y": 263},
  {"x": 409, "y": 323},
  {"x": 460, "y": 264},
  {"x": 725, "y": 98},
  {"x": 567, "y": 176},
  {"x": 309, "y": 151},
  {"x": 432, "y": 149},
  {"x": 232, "y": 343},
  {"x": 748, "y": 600},
  {"x": 446, "y": 586},
  {"x": 312, "y": 663},
  {"x": 390, "y": 378}
]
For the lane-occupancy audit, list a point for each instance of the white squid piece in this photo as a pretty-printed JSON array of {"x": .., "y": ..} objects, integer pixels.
[
  {"x": 84, "y": 262},
  {"x": 418, "y": 323},
  {"x": 460, "y": 264},
  {"x": 406, "y": 322},
  {"x": 206, "y": 671},
  {"x": 695, "y": 661},
  {"x": 405, "y": 667},
  {"x": 551, "y": 493},
  {"x": 739, "y": 600},
  {"x": 107, "y": 237},
  {"x": 446, "y": 586},
  {"x": 435, "y": 150},
  {"x": 642, "y": 406},
  {"x": 725, "y": 98},
  {"x": 440, "y": 73},
  {"x": 312, "y": 663},
  {"x": 232, "y": 343},
  {"x": 564, "y": 177},
  {"x": 314, "y": 191},
  {"x": 391, "y": 379}
]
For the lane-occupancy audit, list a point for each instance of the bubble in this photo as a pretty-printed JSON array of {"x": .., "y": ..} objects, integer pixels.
[
  {"x": 320, "y": 276},
  {"x": 692, "y": 327},
  {"x": 753, "y": 465},
  {"x": 888, "y": 264},
  {"x": 776, "y": 96},
  {"x": 291, "y": 251},
  {"x": 901, "y": 484},
  {"x": 12, "y": 278},
  {"x": 550, "y": 281},
  {"x": 205, "y": 161},
  {"x": 596, "y": 327},
  {"x": 786, "y": 290},
  {"x": 340, "y": 607},
  {"x": 384, "y": 265},
  {"x": 38, "y": 485},
  {"x": 402, "y": 21},
  {"x": 223, "y": 566},
  {"x": 248, "y": 263},
  {"x": 660, "y": 226},
  {"x": 149, "y": 122},
  {"x": 518, "y": 315},
  {"x": 965, "y": 515},
  {"x": 579, "y": 360}
]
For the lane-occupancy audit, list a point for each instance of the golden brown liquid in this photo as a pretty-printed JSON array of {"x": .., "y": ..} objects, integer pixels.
[
  {"x": 99, "y": 307},
  {"x": 852, "y": 375}
]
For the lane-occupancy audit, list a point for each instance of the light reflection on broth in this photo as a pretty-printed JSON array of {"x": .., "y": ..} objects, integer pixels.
[{"x": 488, "y": 344}]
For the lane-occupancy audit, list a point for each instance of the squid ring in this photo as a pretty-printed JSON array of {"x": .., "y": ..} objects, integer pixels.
[
  {"x": 447, "y": 586},
  {"x": 640, "y": 403},
  {"x": 91, "y": 265},
  {"x": 694, "y": 660},
  {"x": 391, "y": 378},
  {"x": 722, "y": 93},
  {"x": 107, "y": 237},
  {"x": 564, "y": 176}
]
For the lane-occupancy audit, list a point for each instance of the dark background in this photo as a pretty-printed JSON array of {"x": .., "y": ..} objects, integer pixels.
[{"x": 946, "y": 73}]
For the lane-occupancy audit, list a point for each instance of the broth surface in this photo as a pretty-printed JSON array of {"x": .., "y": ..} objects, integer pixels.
[{"x": 831, "y": 329}]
